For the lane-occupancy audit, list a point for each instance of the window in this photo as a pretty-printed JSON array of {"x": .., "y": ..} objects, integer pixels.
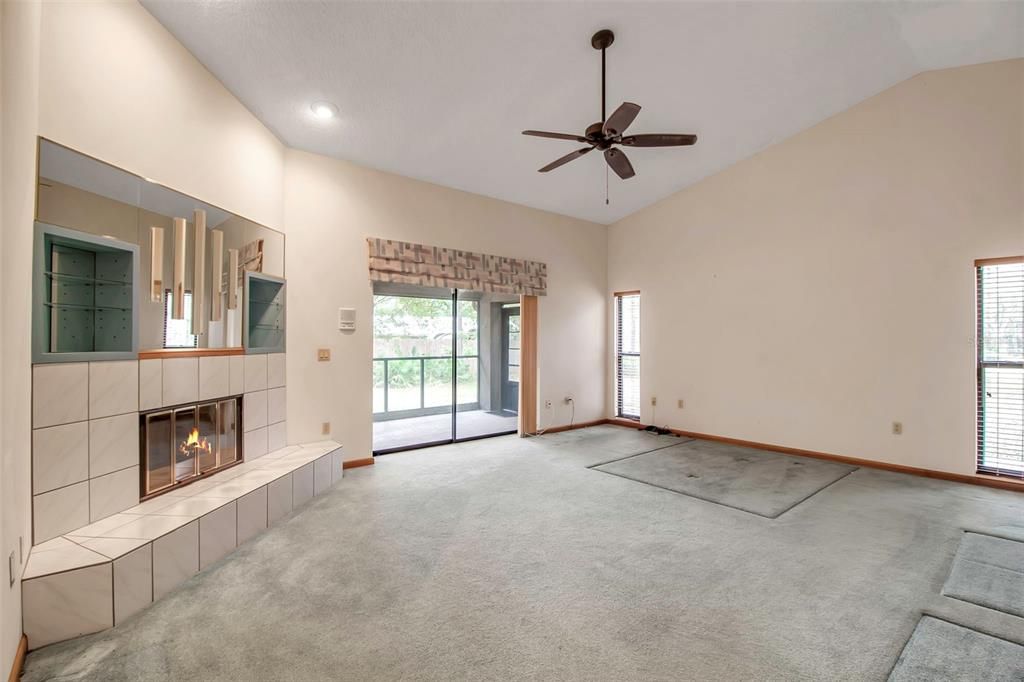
[
  {"x": 176, "y": 332},
  {"x": 627, "y": 355},
  {"x": 1000, "y": 290}
]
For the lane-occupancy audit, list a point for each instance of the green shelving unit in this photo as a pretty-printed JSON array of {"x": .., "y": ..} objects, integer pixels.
[
  {"x": 264, "y": 326},
  {"x": 84, "y": 297}
]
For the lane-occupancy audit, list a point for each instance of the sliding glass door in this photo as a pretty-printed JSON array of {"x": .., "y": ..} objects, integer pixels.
[
  {"x": 482, "y": 409},
  {"x": 441, "y": 366}
]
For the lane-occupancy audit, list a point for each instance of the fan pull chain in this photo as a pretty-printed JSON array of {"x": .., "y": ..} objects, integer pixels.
[{"x": 606, "y": 184}]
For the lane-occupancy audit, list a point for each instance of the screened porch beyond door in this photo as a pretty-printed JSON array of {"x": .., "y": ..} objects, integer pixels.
[{"x": 433, "y": 349}]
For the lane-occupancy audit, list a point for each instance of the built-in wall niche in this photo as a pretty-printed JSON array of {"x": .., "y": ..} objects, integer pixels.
[
  {"x": 265, "y": 313},
  {"x": 84, "y": 296},
  {"x": 205, "y": 265}
]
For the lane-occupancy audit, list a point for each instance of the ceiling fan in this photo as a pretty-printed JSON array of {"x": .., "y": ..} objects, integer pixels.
[{"x": 607, "y": 133}]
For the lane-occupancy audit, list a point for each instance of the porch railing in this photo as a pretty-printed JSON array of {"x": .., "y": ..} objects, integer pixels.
[{"x": 422, "y": 374}]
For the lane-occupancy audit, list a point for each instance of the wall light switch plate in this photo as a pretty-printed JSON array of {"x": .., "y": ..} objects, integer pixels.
[
  {"x": 680, "y": 403},
  {"x": 897, "y": 428},
  {"x": 654, "y": 400},
  {"x": 323, "y": 354},
  {"x": 325, "y": 429}
]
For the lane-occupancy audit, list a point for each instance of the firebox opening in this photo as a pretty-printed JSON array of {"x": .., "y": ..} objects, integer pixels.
[{"x": 182, "y": 444}]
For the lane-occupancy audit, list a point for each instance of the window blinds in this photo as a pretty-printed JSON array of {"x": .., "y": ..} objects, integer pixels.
[
  {"x": 627, "y": 355},
  {"x": 1000, "y": 290}
]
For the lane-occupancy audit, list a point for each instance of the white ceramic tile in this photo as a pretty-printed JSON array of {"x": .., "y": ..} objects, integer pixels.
[
  {"x": 59, "y": 554},
  {"x": 133, "y": 583},
  {"x": 175, "y": 558},
  {"x": 275, "y": 370},
  {"x": 180, "y": 380},
  {"x": 59, "y": 511},
  {"x": 60, "y": 393},
  {"x": 254, "y": 411},
  {"x": 255, "y": 443},
  {"x": 302, "y": 485},
  {"x": 113, "y": 548},
  {"x": 113, "y": 444},
  {"x": 237, "y": 374},
  {"x": 337, "y": 465},
  {"x": 322, "y": 474},
  {"x": 113, "y": 388},
  {"x": 65, "y": 605},
  {"x": 217, "y": 535},
  {"x": 151, "y": 384},
  {"x": 255, "y": 373},
  {"x": 113, "y": 493},
  {"x": 277, "y": 436},
  {"x": 214, "y": 377},
  {"x": 60, "y": 456},
  {"x": 276, "y": 405},
  {"x": 148, "y": 527},
  {"x": 252, "y": 514},
  {"x": 100, "y": 528},
  {"x": 278, "y": 454},
  {"x": 154, "y": 505},
  {"x": 279, "y": 498},
  {"x": 193, "y": 507}
]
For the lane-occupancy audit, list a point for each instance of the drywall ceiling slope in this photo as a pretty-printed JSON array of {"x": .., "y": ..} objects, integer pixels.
[{"x": 439, "y": 91}]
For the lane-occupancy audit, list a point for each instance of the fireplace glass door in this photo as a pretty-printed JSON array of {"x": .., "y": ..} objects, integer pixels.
[{"x": 185, "y": 443}]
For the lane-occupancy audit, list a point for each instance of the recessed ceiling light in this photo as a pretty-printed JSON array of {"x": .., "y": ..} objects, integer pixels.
[{"x": 324, "y": 110}]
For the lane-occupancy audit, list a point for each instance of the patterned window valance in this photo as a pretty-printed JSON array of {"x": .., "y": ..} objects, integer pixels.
[{"x": 433, "y": 266}]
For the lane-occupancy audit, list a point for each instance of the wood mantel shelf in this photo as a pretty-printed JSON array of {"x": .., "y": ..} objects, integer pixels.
[{"x": 188, "y": 353}]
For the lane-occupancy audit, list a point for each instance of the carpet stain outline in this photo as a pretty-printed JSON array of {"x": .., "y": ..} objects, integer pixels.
[
  {"x": 928, "y": 614},
  {"x": 705, "y": 499}
]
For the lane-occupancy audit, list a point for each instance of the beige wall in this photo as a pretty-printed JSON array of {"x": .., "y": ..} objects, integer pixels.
[
  {"x": 817, "y": 292},
  {"x": 116, "y": 85},
  {"x": 331, "y": 207},
  {"x": 19, "y": 75}
]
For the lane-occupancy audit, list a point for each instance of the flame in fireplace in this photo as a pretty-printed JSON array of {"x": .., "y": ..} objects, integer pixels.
[{"x": 195, "y": 445}]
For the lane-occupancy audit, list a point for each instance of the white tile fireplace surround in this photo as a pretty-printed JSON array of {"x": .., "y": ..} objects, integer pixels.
[
  {"x": 85, "y": 426},
  {"x": 95, "y": 577}
]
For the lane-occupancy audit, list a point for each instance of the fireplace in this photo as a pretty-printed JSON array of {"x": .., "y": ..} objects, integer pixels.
[{"x": 185, "y": 443}]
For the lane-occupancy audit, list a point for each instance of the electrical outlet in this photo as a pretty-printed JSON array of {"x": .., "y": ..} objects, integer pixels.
[
  {"x": 897, "y": 428},
  {"x": 679, "y": 403},
  {"x": 325, "y": 429},
  {"x": 547, "y": 404},
  {"x": 654, "y": 400},
  {"x": 323, "y": 354}
]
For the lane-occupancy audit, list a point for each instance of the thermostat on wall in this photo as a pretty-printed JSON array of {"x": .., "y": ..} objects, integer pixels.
[{"x": 346, "y": 319}]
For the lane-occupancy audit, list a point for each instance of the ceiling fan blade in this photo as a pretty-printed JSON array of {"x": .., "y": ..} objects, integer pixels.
[
  {"x": 565, "y": 159},
  {"x": 621, "y": 118},
  {"x": 659, "y": 140},
  {"x": 556, "y": 136},
  {"x": 619, "y": 162}
]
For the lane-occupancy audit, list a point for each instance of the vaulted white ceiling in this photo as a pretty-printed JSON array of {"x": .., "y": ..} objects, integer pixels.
[{"x": 440, "y": 91}]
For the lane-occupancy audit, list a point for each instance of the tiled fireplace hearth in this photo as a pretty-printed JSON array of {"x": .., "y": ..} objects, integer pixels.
[{"x": 144, "y": 472}]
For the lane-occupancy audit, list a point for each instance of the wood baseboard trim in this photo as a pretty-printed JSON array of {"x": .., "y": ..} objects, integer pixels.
[
  {"x": 573, "y": 427},
  {"x": 976, "y": 479},
  {"x": 19, "y": 659},
  {"x": 353, "y": 463}
]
